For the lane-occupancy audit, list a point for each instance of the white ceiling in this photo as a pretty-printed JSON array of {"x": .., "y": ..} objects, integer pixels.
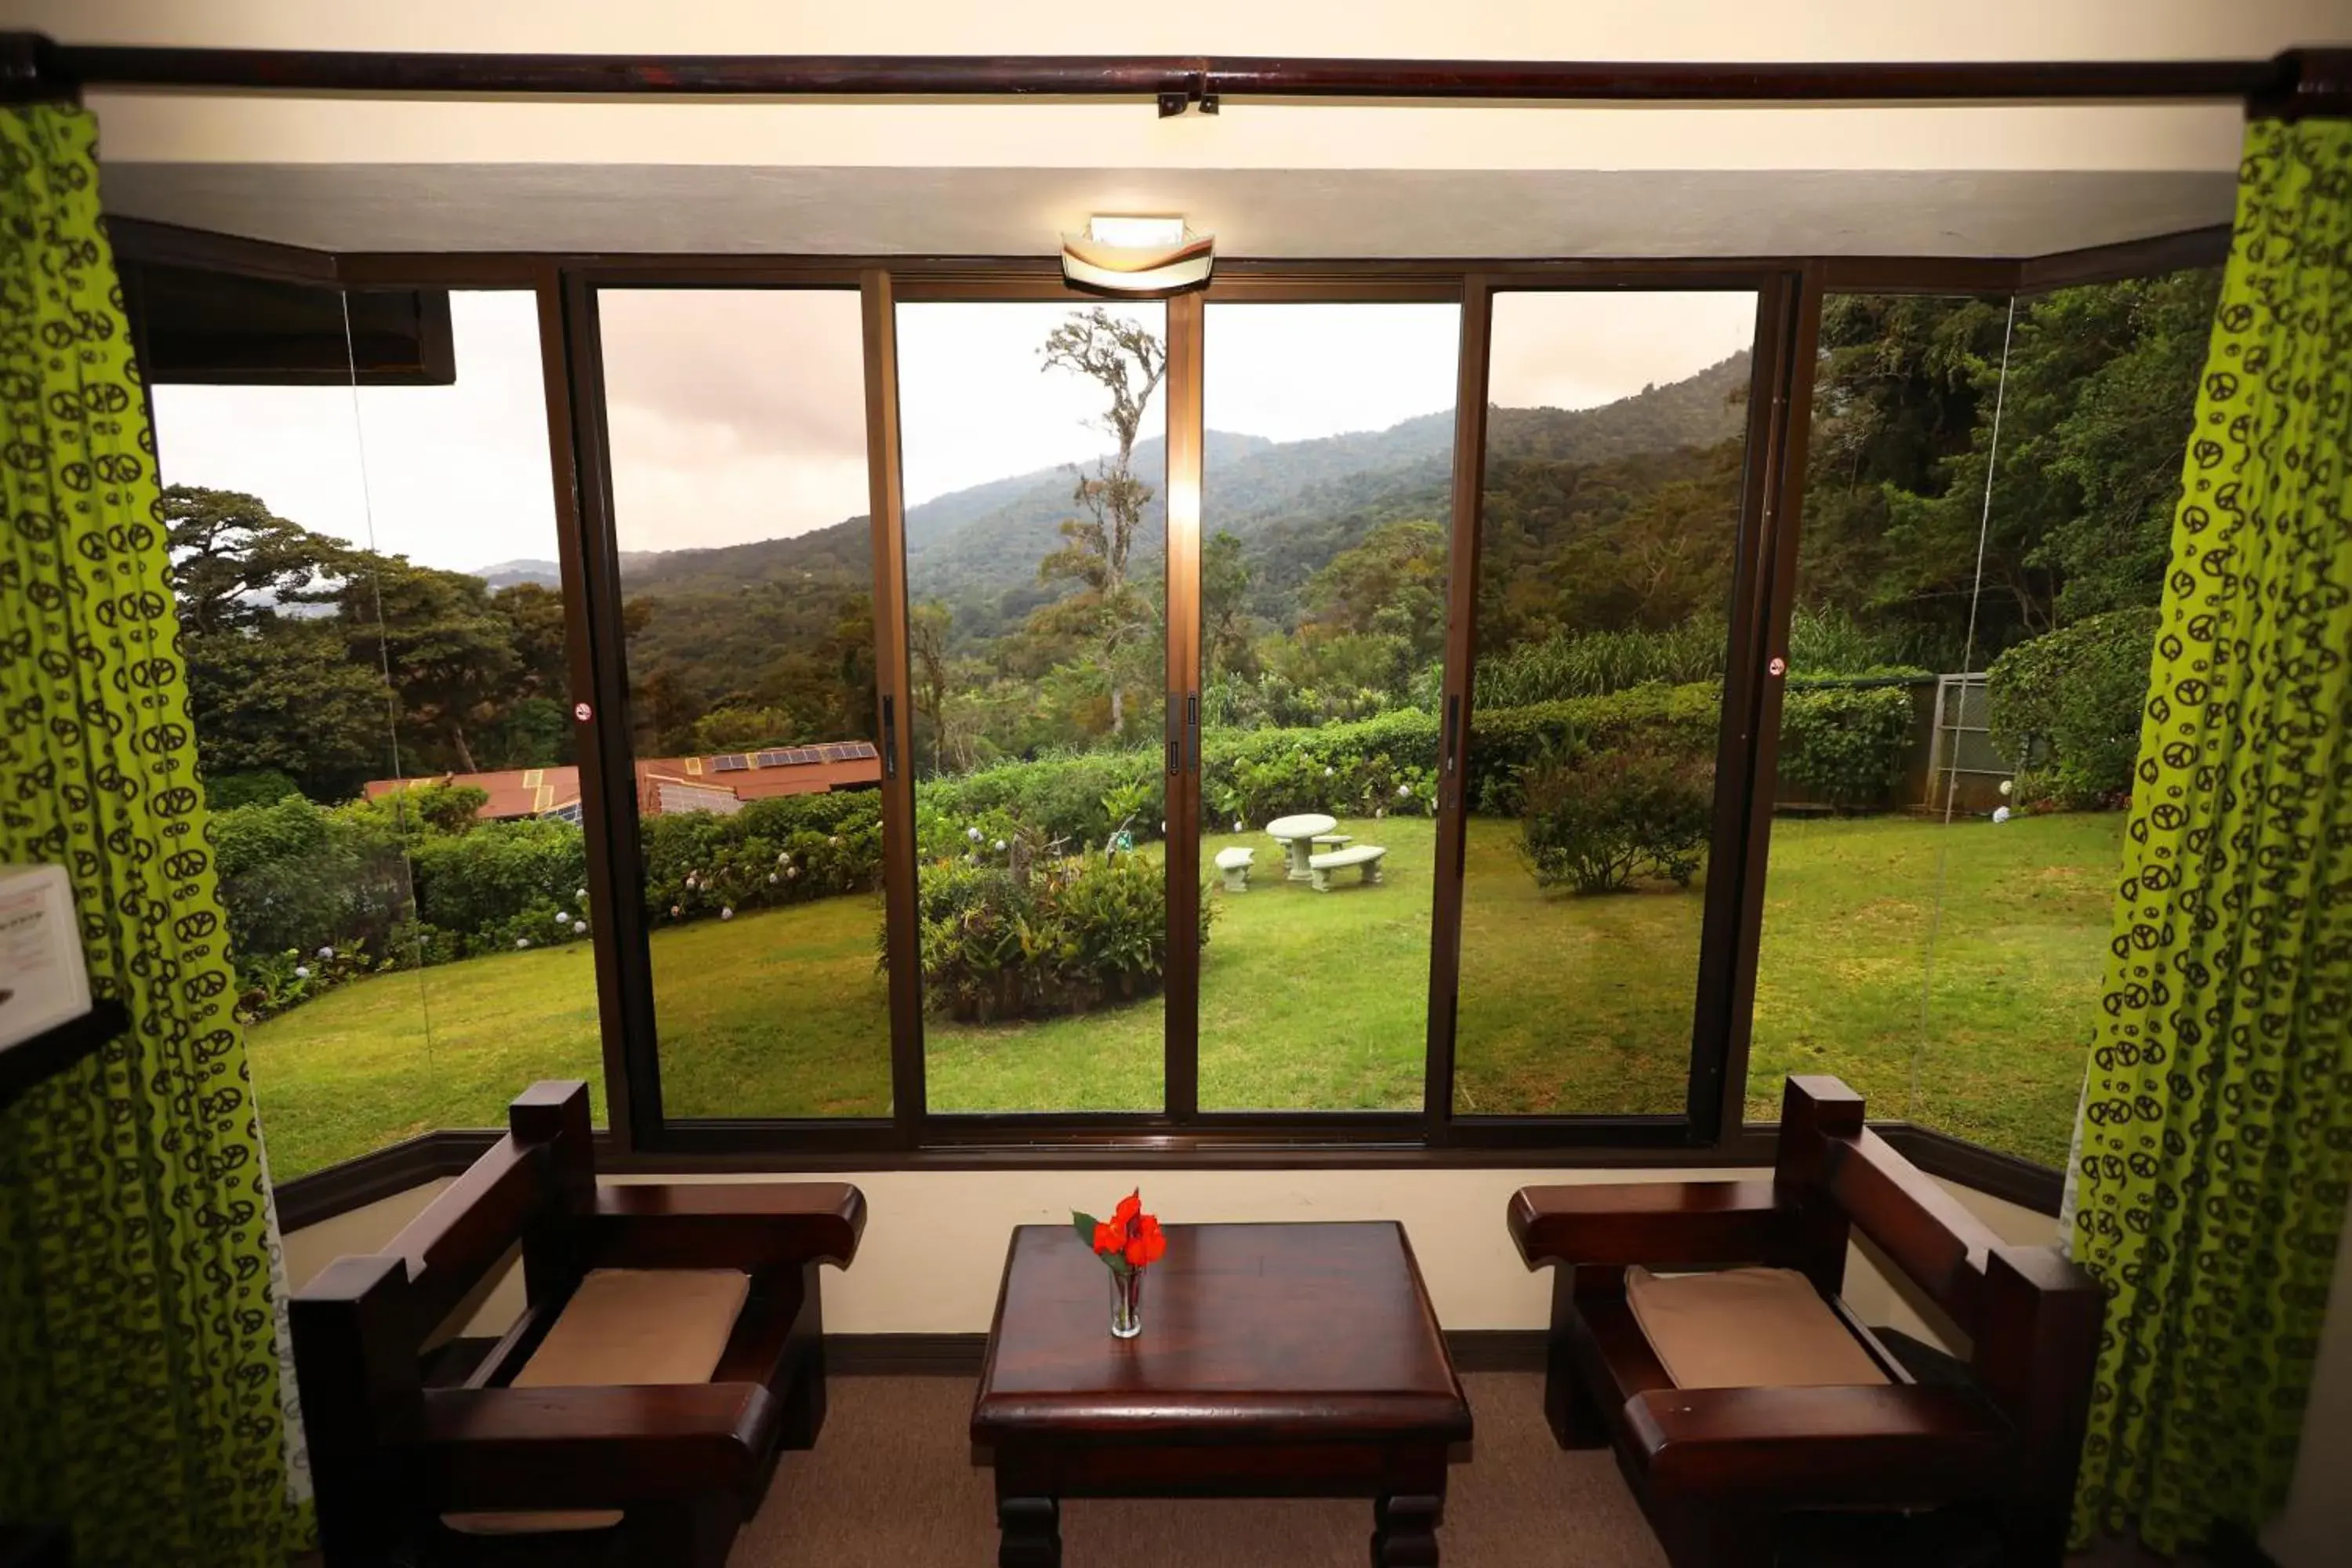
[{"x": 1319, "y": 214}]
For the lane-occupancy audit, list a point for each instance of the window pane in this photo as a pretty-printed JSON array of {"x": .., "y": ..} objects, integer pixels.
[
  {"x": 738, "y": 438},
  {"x": 1967, "y": 669},
  {"x": 376, "y": 661},
  {"x": 1034, "y": 465},
  {"x": 1614, "y": 446},
  {"x": 1325, "y": 529}
]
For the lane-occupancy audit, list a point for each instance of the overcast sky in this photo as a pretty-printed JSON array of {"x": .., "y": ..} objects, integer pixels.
[{"x": 739, "y": 415}]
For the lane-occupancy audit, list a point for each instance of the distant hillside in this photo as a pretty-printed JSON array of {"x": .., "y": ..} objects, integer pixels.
[
  {"x": 510, "y": 573},
  {"x": 1294, "y": 504}
]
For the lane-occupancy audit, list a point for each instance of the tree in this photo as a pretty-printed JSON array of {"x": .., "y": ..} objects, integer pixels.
[
  {"x": 1225, "y": 581},
  {"x": 1127, "y": 361},
  {"x": 235, "y": 562},
  {"x": 444, "y": 645},
  {"x": 271, "y": 686}
]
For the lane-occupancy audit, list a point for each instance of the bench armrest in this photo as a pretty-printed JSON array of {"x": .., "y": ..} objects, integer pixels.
[
  {"x": 753, "y": 1226},
  {"x": 590, "y": 1447},
  {"x": 1623, "y": 1222},
  {"x": 1819, "y": 1446}
]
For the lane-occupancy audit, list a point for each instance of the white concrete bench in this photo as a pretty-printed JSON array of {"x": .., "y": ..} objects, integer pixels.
[
  {"x": 1233, "y": 866},
  {"x": 1368, "y": 856},
  {"x": 1334, "y": 840}
]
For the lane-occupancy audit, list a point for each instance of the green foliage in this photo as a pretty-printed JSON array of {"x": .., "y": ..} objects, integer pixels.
[
  {"x": 2096, "y": 391},
  {"x": 298, "y": 877},
  {"x": 259, "y": 787},
  {"x": 2065, "y": 709},
  {"x": 1070, "y": 935},
  {"x": 1846, "y": 744},
  {"x": 1507, "y": 742},
  {"x": 1599, "y": 815},
  {"x": 784, "y": 850},
  {"x": 1594, "y": 664}
]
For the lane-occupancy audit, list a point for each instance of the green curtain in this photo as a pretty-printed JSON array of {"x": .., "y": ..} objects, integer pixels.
[
  {"x": 139, "y": 1369},
  {"x": 2216, "y": 1145}
]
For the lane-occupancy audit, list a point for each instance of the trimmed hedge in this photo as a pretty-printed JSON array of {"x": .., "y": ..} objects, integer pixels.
[
  {"x": 1846, "y": 744},
  {"x": 2065, "y": 709},
  {"x": 413, "y": 878}
]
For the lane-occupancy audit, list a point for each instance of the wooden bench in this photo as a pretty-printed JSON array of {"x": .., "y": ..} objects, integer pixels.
[
  {"x": 1368, "y": 856},
  {"x": 579, "y": 1438},
  {"x": 1233, "y": 866},
  {"x": 1786, "y": 1403}
]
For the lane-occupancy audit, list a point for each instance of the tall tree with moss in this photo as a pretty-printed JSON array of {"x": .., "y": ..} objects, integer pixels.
[{"x": 1127, "y": 361}]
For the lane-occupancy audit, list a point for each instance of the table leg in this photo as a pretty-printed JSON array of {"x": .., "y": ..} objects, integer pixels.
[
  {"x": 1405, "y": 1531},
  {"x": 1031, "y": 1530}
]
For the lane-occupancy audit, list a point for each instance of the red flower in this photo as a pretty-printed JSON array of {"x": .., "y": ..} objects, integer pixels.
[
  {"x": 1130, "y": 1239},
  {"x": 1145, "y": 1244}
]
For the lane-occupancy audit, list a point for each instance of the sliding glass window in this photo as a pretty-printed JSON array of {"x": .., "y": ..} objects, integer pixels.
[
  {"x": 1608, "y": 548},
  {"x": 737, "y": 433},
  {"x": 1033, "y": 457},
  {"x": 1326, "y": 524},
  {"x": 364, "y": 545},
  {"x": 1990, "y": 487}
]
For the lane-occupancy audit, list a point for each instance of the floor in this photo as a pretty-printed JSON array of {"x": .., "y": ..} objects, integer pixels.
[{"x": 892, "y": 1485}]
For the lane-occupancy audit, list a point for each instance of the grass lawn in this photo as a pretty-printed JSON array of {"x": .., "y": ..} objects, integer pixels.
[{"x": 1312, "y": 1000}]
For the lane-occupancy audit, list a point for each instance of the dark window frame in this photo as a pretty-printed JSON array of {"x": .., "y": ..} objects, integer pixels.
[{"x": 1712, "y": 1132}]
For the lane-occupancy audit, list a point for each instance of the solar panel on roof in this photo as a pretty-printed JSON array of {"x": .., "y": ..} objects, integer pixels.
[
  {"x": 729, "y": 764},
  {"x": 864, "y": 749},
  {"x": 775, "y": 759}
]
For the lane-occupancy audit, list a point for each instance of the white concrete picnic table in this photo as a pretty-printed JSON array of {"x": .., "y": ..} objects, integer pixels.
[{"x": 1297, "y": 836}]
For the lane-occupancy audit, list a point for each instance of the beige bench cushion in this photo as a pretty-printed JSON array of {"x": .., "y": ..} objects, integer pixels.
[
  {"x": 625, "y": 1326},
  {"x": 1746, "y": 1327}
]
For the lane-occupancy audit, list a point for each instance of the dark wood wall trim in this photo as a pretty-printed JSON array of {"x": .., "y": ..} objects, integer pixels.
[
  {"x": 1174, "y": 82},
  {"x": 2133, "y": 258},
  {"x": 387, "y": 1172},
  {"x": 1987, "y": 1170},
  {"x": 208, "y": 250}
]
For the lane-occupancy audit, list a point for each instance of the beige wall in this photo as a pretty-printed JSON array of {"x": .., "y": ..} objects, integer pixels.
[{"x": 934, "y": 1242}]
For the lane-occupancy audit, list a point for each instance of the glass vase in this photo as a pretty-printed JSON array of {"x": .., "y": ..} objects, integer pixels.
[{"x": 1126, "y": 1303}]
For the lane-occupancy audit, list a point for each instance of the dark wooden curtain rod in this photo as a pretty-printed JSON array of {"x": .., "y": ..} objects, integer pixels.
[{"x": 2299, "y": 81}]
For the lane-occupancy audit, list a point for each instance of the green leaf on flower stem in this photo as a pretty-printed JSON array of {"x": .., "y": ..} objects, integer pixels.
[{"x": 1084, "y": 1223}]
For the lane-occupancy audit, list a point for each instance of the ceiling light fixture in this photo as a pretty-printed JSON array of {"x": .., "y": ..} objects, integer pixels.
[{"x": 1138, "y": 257}]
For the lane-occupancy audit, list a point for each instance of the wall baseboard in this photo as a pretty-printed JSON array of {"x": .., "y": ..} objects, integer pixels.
[{"x": 960, "y": 1355}]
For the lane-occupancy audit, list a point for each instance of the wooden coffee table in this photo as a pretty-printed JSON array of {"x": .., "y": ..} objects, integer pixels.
[{"x": 1276, "y": 1361}]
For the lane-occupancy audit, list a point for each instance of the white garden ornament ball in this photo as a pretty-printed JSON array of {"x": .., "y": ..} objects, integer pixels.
[
  {"x": 522, "y": 941},
  {"x": 728, "y": 912},
  {"x": 2000, "y": 814}
]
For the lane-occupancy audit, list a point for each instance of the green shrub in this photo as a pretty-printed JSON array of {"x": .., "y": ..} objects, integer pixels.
[
  {"x": 297, "y": 878},
  {"x": 786, "y": 850},
  {"x": 2065, "y": 709},
  {"x": 261, "y": 786},
  {"x": 1598, "y": 816},
  {"x": 1594, "y": 664},
  {"x": 1506, "y": 744},
  {"x": 476, "y": 884},
  {"x": 1073, "y": 935},
  {"x": 1846, "y": 744}
]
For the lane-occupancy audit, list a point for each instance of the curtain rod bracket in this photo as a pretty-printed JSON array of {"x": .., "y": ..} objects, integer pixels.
[{"x": 32, "y": 70}]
